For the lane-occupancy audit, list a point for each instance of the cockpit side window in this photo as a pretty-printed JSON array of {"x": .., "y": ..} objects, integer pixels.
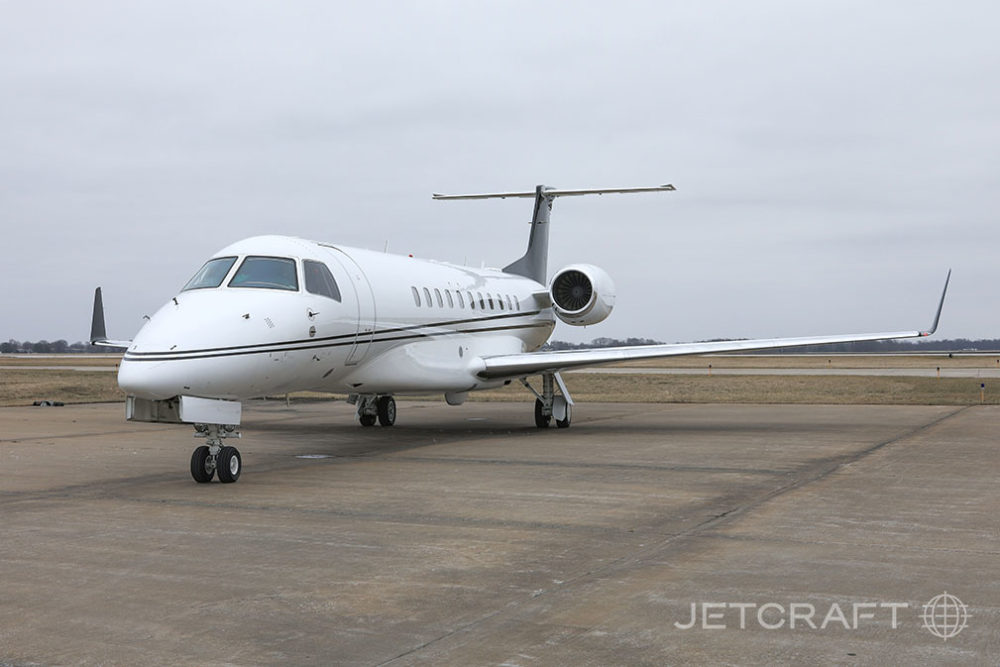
[
  {"x": 266, "y": 273},
  {"x": 211, "y": 274},
  {"x": 319, "y": 280}
]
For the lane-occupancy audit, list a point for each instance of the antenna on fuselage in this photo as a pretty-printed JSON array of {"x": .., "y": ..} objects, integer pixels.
[{"x": 533, "y": 264}]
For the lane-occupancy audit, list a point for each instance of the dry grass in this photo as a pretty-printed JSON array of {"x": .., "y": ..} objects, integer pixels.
[
  {"x": 24, "y": 386},
  {"x": 926, "y": 361},
  {"x": 77, "y": 360},
  {"x": 803, "y": 389}
]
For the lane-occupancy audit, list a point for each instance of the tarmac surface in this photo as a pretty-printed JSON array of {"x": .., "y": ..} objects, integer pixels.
[{"x": 465, "y": 536}]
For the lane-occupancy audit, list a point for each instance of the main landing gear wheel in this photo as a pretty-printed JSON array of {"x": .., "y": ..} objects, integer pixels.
[
  {"x": 386, "y": 410},
  {"x": 374, "y": 408},
  {"x": 541, "y": 419},
  {"x": 564, "y": 423},
  {"x": 548, "y": 404},
  {"x": 229, "y": 465},
  {"x": 202, "y": 465}
]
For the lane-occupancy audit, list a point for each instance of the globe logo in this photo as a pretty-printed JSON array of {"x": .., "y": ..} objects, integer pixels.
[{"x": 945, "y": 616}]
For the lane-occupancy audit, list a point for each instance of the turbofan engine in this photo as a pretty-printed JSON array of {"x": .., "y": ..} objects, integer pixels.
[{"x": 582, "y": 294}]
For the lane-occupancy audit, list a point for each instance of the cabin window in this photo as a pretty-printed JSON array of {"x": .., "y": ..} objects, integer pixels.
[
  {"x": 489, "y": 298},
  {"x": 416, "y": 296},
  {"x": 500, "y": 301},
  {"x": 440, "y": 301},
  {"x": 451, "y": 302},
  {"x": 319, "y": 280},
  {"x": 510, "y": 306},
  {"x": 517, "y": 302},
  {"x": 267, "y": 273},
  {"x": 472, "y": 302},
  {"x": 482, "y": 303},
  {"x": 461, "y": 301},
  {"x": 427, "y": 298},
  {"x": 211, "y": 274}
]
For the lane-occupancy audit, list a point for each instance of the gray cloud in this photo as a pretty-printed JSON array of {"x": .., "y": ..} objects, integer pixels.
[{"x": 832, "y": 159}]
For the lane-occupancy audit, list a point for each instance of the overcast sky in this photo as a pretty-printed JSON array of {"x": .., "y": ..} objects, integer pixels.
[{"x": 832, "y": 159}]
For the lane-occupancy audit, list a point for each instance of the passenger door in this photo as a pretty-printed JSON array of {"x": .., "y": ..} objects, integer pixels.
[{"x": 365, "y": 300}]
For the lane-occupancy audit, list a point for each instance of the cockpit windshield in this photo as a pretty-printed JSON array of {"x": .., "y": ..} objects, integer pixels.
[
  {"x": 267, "y": 273},
  {"x": 212, "y": 274}
]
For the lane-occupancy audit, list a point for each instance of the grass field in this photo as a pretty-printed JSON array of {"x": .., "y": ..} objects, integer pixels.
[
  {"x": 25, "y": 386},
  {"x": 31, "y": 381},
  {"x": 811, "y": 389},
  {"x": 928, "y": 361}
]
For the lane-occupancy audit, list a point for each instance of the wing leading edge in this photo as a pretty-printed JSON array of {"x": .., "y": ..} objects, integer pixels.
[{"x": 532, "y": 363}]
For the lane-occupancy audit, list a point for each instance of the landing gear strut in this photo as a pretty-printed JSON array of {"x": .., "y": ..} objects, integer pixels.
[
  {"x": 372, "y": 408},
  {"x": 548, "y": 404},
  {"x": 213, "y": 457}
]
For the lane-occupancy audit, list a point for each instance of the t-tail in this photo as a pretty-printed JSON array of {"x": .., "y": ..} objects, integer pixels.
[{"x": 534, "y": 263}]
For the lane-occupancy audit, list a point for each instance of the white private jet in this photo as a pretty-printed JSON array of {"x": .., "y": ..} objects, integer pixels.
[{"x": 277, "y": 314}]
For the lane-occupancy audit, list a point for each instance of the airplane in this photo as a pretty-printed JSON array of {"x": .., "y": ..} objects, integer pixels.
[{"x": 276, "y": 314}]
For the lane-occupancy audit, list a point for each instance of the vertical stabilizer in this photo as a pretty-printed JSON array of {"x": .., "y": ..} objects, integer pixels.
[{"x": 534, "y": 263}]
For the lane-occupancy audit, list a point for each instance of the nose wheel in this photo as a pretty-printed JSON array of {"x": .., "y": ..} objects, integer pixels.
[
  {"x": 229, "y": 465},
  {"x": 213, "y": 458},
  {"x": 202, "y": 465}
]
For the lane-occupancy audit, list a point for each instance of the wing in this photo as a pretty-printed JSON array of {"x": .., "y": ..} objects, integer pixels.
[{"x": 533, "y": 363}]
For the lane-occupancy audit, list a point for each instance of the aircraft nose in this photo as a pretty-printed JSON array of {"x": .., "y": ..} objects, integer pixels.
[{"x": 149, "y": 379}]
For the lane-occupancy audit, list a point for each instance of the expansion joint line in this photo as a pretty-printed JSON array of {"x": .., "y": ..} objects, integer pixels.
[{"x": 824, "y": 469}]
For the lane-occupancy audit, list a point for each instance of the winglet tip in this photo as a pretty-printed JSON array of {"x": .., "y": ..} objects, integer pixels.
[{"x": 937, "y": 315}]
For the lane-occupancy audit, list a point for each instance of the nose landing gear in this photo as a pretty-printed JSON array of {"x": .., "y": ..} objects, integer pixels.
[{"x": 213, "y": 457}]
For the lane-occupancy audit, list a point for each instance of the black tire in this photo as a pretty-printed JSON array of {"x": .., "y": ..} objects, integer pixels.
[
  {"x": 564, "y": 423},
  {"x": 541, "y": 421},
  {"x": 368, "y": 420},
  {"x": 201, "y": 468},
  {"x": 229, "y": 465},
  {"x": 386, "y": 410}
]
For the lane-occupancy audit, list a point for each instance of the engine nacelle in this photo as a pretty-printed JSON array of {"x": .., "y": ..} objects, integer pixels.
[{"x": 582, "y": 294}]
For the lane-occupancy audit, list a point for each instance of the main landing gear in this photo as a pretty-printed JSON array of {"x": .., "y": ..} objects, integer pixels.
[
  {"x": 549, "y": 405},
  {"x": 372, "y": 408},
  {"x": 215, "y": 458}
]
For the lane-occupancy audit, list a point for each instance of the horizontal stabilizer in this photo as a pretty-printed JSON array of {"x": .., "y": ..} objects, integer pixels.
[
  {"x": 554, "y": 192},
  {"x": 533, "y": 264}
]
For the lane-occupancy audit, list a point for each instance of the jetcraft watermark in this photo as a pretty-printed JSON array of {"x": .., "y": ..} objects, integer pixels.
[{"x": 944, "y": 615}]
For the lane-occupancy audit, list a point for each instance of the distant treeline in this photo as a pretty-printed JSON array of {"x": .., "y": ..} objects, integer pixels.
[
  {"x": 48, "y": 347},
  {"x": 866, "y": 347}
]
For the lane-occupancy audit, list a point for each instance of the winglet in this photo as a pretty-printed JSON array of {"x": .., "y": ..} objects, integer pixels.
[
  {"x": 98, "y": 334},
  {"x": 97, "y": 329},
  {"x": 937, "y": 317}
]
